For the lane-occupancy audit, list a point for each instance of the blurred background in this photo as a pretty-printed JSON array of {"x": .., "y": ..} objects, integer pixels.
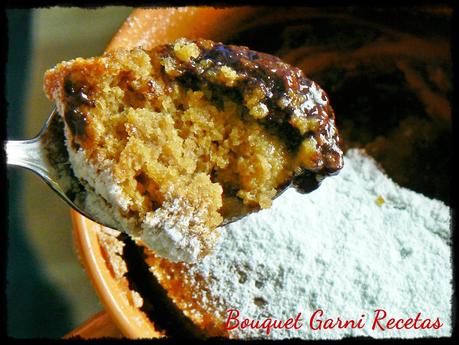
[{"x": 48, "y": 292}]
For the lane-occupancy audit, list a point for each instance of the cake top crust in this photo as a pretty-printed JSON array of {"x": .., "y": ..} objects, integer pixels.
[{"x": 276, "y": 93}]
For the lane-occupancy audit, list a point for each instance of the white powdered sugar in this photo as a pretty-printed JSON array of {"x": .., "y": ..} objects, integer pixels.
[
  {"x": 357, "y": 244},
  {"x": 317, "y": 92},
  {"x": 99, "y": 177},
  {"x": 166, "y": 230}
]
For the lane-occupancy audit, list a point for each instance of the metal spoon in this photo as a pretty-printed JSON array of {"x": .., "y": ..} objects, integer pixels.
[{"x": 46, "y": 156}]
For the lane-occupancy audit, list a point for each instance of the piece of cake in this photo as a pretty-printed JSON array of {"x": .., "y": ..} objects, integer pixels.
[
  {"x": 173, "y": 141},
  {"x": 358, "y": 244}
]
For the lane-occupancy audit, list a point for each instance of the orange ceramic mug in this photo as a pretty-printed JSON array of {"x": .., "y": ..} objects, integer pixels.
[
  {"x": 146, "y": 28},
  {"x": 150, "y": 27}
]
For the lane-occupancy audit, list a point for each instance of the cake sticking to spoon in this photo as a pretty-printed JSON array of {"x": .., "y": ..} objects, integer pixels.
[{"x": 173, "y": 142}]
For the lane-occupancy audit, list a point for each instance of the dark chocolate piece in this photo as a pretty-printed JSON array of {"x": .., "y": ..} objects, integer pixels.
[{"x": 77, "y": 95}]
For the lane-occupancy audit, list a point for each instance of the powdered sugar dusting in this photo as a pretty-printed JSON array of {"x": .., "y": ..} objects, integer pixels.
[
  {"x": 168, "y": 230},
  {"x": 318, "y": 94},
  {"x": 172, "y": 231},
  {"x": 99, "y": 177},
  {"x": 338, "y": 250}
]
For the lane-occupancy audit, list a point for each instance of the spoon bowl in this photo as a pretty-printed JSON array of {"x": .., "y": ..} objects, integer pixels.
[{"x": 47, "y": 156}]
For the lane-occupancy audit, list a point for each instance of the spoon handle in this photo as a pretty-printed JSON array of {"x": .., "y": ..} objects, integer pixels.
[
  {"x": 28, "y": 154},
  {"x": 33, "y": 155}
]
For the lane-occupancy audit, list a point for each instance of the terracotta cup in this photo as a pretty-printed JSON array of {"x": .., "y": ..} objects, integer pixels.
[{"x": 150, "y": 27}]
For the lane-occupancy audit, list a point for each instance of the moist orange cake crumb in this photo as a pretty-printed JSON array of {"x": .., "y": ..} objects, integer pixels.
[{"x": 179, "y": 138}]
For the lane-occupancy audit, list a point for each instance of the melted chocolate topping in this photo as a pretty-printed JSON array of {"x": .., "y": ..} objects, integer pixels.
[
  {"x": 285, "y": 92},
  {"x": 77, "y": 95}
]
